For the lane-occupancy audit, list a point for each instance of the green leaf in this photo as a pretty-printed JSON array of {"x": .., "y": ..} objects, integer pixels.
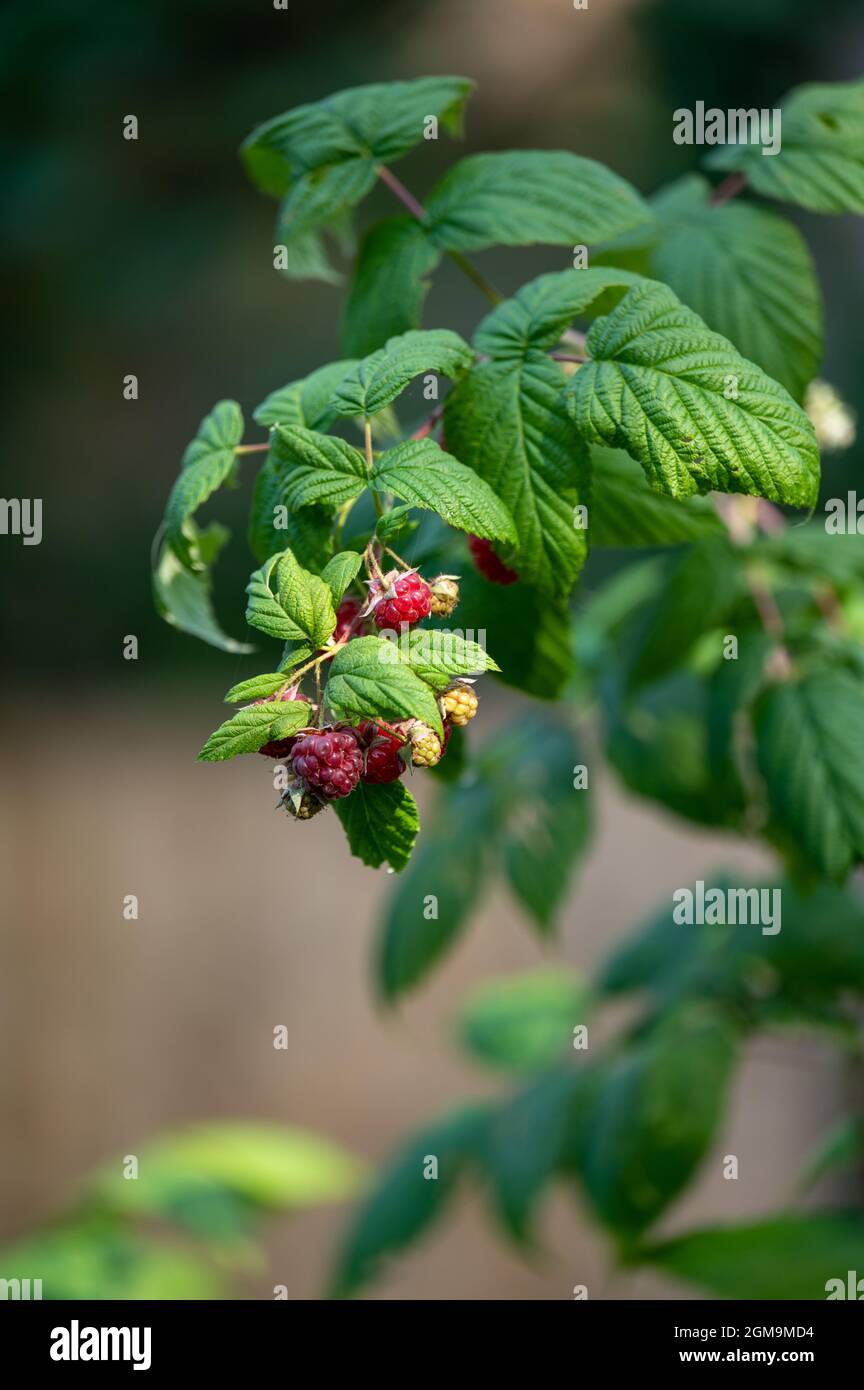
[
  {"x": 422, "y": 474},
  {"x": 317, "y": 468},
  {"x": 843, "y": 1148},
  {"x": 249, "y": 729},
  {"x": 90, "y": 1260},
  {"x": 625, "y": 511},
  {"x": 820, "y": 163},
  {"x": 208, "y": 461},
  {"x": 655, "y": 1117},
  {"x": 508, "y": 421},
  {"x": 269, "y": 1166},
  {"x": 436, "y": 657},
  {"x": 287, "y": 602},
  {"x": 405, "y": 1202},
  {"x": 341, "y": 571},
  {"x": 523, "y": 629},
  {"x": 519, "y": 197},
  {"x": 256, "y": 688},
  {"x": 368, "y": 680},
  {"x": 392, "y": 524},
  {"x": 701, "y": 588},
  {"x": 382, "y": 376},
  {"x": 381, "y": 822},
  {"x": 440, "y": 889},
  {"x": 183, "y": 597},
  {"x": 747, "y": 273},
  {"x": 789, "y": 1257},
  {"x": 814, "y": 767},
  {"x": 522, "y": 1022},
  {"x": 539, "y": 314},
  {"x": 682, "y": 401},
  {"x": 306, "y": 402},
  {"x": 272, "y": 526},
  {"x": 322, "y": 159},
  {"x": 391, "y": 281}
]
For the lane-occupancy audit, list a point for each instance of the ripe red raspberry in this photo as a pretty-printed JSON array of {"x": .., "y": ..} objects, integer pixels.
[
  {"x": 346, "y": 615},
  {"x": 280, "y": 747},
  {"x": 401, "y": 601},
  {"x": 383, "y": 748},
  {"x": 330, "y": 762},
  {"x": 488, "y": 563}
]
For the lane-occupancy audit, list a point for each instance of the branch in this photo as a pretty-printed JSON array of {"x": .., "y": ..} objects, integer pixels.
[{"x": 728, "y": 188}]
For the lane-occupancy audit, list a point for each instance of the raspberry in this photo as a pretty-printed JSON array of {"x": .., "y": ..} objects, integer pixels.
[
  {"x": 488, "y": 563},
  {"x": 280, "y": 747},
  {"x": 402, "y": 599},
  {"x": 346, "y": 615},
  {"x": 459, "y": 704},
  {"x": 427, "y": 748},
  {"x": 445, "y": 595},
  {"x": 329, "y": 762},
  {"x": 383, "y": 760}
]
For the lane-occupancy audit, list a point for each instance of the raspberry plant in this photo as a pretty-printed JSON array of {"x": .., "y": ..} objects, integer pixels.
[{"x": 651, "y": 396}]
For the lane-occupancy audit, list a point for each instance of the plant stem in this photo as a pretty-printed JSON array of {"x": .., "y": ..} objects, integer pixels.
[
  {"x": 251, "y": 448},
  {"x": 728, "y": 188},
  {"x": 429, "y": 424},
  {"x": 416, "y": 209},
  {"x": 370, "y": 463}
]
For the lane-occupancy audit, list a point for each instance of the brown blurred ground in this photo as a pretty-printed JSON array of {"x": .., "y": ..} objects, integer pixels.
[{"x": 115, "y": 1031}]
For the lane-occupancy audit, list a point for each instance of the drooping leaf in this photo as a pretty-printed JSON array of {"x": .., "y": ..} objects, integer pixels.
[
  {"x": 379, "y": 378},
  {"x": 288, "y": 602},
  {"x": 508, "y": 421},
  {"x": 681, "y": 400},
  {"x": 272, "y": 526},
  {"x": 407, "y": 1198},
  {"x": 381, "y": 822},
  {"x": 796, "y": 1256},
  {"x": 625, "y": 511},
  {"x": 519, "y": 197},
  {"x": 820, "y": 162},
  {"x": 391, "y": 280},
  {"x": 208, "y": 461},
  {"x": 747, "y": 273},
  {"x": 183, "y": 596},
  {"x": 249, "y": 729},
  {"x": 368, "y": 680},
  {"x": 522, "y": 1022},
  {"x": 423, "y": 475},
  {"x": 813, "y": 765}
]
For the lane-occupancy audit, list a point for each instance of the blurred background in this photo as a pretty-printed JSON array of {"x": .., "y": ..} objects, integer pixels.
[{"x": 154, "y": 257}]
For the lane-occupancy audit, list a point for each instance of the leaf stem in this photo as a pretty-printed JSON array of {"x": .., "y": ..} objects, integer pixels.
[
  {"x": 251, "y": 448},
  {"x": 416, "y": 209},
  {"x": 429, "y": 423},
  {"x": 728, "y": 188}
]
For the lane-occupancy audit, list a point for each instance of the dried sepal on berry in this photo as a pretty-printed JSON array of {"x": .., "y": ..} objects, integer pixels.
[
  {"x": 459, "y": 704},
  {"x": 445, "y": 594},
  {"x": 299, "y": 801}
]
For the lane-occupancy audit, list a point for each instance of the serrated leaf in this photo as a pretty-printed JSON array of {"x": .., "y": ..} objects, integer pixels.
[
  {"x": 208, "y": 461},
  {"x": 542, "y": 310},
  {"x": 519, "y": 197},
  {"x": 392, "y": 524},
  {"x": 682, "y": 401},
  {"x": 382, "y": 376},
  {"x": 522, "y": 1022},
  {"x": 813, "y": 765},
  {"x": 287, "y": 602},
  {"x": 820, "y": 162},
  {"x": 404, "y": 1201},
  {"x": 339, "y": 572},
  {"x": 522, "y": 628},
  {"x": 700, "y": 590},
  {"x": 322, "y": 158},
  {"x": 625, "y": 511},
  {"x": 272, "y": 526},
  {"x": 315, "y": 468},
  {"x": 248, "y": 729},
  {"x": 508, "y": 421},
  {"x": 423, "y": 475},
  {"x": 747, "y": 273},
  {"x": 255, "y": 688},
  {"x": 381, "y": 821},
  {"x": 390, "y": 284},
  {"x": 786, "y": 1257},
  {"x": 368, "y": 680},
  {"x": 307, "y": 401},
  {"x": 183, "y": 597},
  {"x": 436, "y": 656}
]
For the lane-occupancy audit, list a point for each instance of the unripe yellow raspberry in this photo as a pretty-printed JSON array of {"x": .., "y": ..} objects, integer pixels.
[
  {"x": 445, "y": 595},
  {"x": 426, "y": 746},
  {"x": 459, "y": 704}
]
